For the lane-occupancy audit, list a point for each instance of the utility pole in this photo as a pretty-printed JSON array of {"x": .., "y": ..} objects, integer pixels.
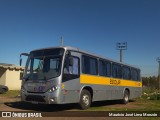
[
  {"x": 158, "y": 60},
  {"x": 61, "y": 41},
  {"x": 121, "y": 46}
]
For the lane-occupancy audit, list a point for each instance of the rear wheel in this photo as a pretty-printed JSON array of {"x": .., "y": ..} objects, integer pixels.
[
  {"x": 125, "y": 97},
  {"x": 85, "y": 100}
]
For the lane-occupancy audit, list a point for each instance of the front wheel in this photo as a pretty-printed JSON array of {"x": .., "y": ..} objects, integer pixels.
[{"x": 85, "y": 100}]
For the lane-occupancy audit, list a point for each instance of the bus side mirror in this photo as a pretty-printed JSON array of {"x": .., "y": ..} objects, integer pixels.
[
  {"x": 20, "y": 61},
  {"x": 22, "y": 54}
]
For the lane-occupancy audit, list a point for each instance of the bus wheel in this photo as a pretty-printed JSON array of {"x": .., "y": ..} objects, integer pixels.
[
  {"x": 85, "y": 100},
  {"x": 125, "y": 97}
]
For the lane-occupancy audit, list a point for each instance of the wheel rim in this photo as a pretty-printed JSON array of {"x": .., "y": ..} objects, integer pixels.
[
  {"x": 126, "y": 98},
  {"x": 85, "y": 100}
]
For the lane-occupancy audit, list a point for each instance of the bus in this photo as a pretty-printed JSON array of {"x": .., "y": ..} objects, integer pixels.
[{"x": 61, "y": 75}]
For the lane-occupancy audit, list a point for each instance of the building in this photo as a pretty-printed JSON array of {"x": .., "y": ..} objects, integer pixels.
[{"x": 10, "y": 76}]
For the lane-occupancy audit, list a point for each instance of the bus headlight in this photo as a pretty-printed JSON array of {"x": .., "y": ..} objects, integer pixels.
[{"x": 54, "y": 88}]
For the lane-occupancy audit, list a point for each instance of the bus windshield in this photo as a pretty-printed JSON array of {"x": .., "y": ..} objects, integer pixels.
[{"x": 44, "y": 64}]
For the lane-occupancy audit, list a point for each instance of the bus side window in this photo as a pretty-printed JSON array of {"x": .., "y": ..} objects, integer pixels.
[
  {"x": 126, "y": 72},
  {"x": 75, "y": 66},
  {"x": 89, "y": 65},
  {"x": 104, "y": 68},
  {"x": 134, "y": 74},
  {"x": 139, "y": 77},
  {"x": 108, "y": 68},
  {"x": 71, "y": 65},
  {"x": 116, "y": 71}
]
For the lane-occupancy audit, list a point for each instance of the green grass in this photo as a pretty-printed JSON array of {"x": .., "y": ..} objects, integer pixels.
[
  {"x": 11, "y": 93},
  {"x": 139, "y": 104}
]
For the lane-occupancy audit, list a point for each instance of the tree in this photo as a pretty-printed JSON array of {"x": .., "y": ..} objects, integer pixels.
[{"x": 150, "y": 82}]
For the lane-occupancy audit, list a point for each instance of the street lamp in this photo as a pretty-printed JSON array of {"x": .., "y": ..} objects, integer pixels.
[
  {"x": 158, "y": 60},
  {"x": 121, "y": 46}
]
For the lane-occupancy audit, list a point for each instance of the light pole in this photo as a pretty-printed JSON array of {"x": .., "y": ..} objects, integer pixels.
[
  {"x": 121, "y": 46},
  {"x": 158, "y": 60},
  {"x": 61, "y": 41}
]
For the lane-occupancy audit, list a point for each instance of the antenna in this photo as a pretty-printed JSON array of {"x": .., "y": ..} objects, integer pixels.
[{"x": 61, "y": 41}]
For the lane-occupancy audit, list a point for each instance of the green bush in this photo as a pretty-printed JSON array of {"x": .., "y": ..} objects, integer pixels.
[
  {"x": 150, "y": 94},
  {"x": 155, "y": 97}
]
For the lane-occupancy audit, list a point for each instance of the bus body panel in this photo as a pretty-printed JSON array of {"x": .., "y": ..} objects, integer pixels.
[
  {"x": 34, "y": 91},
  {"x": 105, "y": 92},
  {"x": 70, "y": 91}
]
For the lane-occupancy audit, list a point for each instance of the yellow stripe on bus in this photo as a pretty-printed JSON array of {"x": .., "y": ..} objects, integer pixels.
[{"x": 91, "y": 79}]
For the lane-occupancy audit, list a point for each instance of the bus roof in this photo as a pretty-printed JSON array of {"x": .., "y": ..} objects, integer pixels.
[{"x": 85, "y": 52}]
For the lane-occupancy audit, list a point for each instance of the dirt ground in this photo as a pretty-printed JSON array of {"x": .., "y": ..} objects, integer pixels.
[{"x": 14, "y": 104}]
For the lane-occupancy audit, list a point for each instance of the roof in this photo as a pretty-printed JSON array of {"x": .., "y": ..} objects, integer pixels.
[
  {"x": 89, "y": 53},
  {"x": 65, "y": 47},
  {"x": 99, "y": 56},
  {"x": 11, "y": 66}
]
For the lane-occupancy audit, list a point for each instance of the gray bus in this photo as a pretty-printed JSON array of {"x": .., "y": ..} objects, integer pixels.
[{"x": 61, "y": 75}]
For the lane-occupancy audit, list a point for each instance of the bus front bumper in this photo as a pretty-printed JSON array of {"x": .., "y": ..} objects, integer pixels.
[{"x": 43, "y": 98}]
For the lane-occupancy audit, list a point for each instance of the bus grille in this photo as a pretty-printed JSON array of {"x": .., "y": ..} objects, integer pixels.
[{"x": 36, "y": 98}]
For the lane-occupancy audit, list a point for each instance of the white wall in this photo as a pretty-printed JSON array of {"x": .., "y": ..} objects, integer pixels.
[
  {"x": 13, "y": 79},
  {"x": 2, "y": 76}
]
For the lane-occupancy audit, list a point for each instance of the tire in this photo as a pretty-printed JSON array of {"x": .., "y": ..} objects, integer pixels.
[
  {"x": 2, "y": 91},
  {"x": 85, "y": 100},
  {"x": 125, "y": 97}
]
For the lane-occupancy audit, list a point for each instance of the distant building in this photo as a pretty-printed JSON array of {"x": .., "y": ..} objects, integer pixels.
[{"x": 10, "y": 76}]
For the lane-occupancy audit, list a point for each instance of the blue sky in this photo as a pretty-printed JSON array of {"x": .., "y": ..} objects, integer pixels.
[{"x": 91, "y": 25}]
